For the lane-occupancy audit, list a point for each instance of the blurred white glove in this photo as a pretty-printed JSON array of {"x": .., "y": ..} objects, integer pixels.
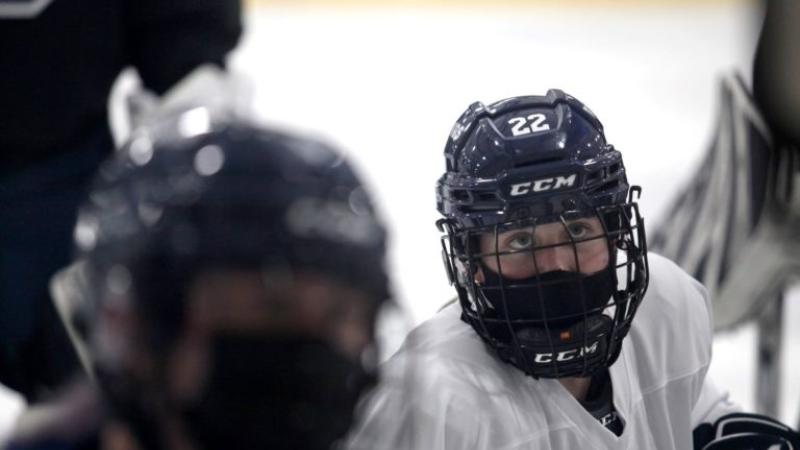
[{"x": 132, "y": 106}]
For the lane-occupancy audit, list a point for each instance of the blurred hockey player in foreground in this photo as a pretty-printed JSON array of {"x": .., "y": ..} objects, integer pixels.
[
  {"x": 567, "y": 334},
  {"x": 224, "y": 295}
]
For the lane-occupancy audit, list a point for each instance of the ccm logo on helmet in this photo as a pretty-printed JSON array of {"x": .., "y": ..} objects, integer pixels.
[
  {"x": 543, "y": 184},
  {"x": 566, "y": 355}
]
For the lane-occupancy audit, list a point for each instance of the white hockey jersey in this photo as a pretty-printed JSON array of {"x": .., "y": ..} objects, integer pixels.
[{"x": 445, "y": 389}]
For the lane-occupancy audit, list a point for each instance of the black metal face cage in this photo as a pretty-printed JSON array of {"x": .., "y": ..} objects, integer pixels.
[{"x": 594, "y": 342}]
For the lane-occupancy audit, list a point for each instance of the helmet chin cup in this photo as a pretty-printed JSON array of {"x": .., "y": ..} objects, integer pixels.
[{"x": 577, "y": 350}]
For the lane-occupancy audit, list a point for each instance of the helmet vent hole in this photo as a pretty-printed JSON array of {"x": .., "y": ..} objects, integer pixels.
[
  {"x": 614, "y": 168},
  {"x": 611, "y": 185},
  {"x": 479, "y": 208},
  {"x": 485, "y": 196},
  {"x": 460, "y": 195},
  {"x": 537, "y": 161}
]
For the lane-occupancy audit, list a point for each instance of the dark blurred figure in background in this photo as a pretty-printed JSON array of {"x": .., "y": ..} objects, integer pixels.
[
  {"x": 60, "y": 59},
  {"x": 776, "y": 71},
  {"x": 225, "y": 294},
  {"x": 736, "y": 225}
]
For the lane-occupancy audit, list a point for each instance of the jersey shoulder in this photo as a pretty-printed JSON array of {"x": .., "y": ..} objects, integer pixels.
[
  {"x": 446, "y": 389},
  {"x": 451, "y": 354},
  {"x": 671, "y": 334},
  {"x": 674, "y": 292}
]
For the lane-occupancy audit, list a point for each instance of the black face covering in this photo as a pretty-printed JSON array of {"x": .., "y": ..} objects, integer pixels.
[
  {"x": 287, "y": 393},
  {"x": 555, "y": 296}
]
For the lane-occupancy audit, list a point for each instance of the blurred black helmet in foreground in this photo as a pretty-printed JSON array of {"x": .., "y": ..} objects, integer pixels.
[{"x": 228, "y": 277}]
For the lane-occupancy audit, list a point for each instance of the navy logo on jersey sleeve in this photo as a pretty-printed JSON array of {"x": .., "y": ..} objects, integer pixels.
[{"x": 22, "y": 9}]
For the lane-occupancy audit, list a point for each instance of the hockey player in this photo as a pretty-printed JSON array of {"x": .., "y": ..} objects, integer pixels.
[
  {"x": 60, "y": 60},
  {"x": 225, "y": 293},
  {"x": 567, "y": 334}
]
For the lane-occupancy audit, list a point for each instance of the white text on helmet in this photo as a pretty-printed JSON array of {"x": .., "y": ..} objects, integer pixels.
[
  {"x": 543, "y": 184},
  {"x": 566, "y": 355}
]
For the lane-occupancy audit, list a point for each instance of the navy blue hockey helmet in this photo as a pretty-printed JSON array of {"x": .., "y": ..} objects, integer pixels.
[
  {"x": 204, "y": 189},
  {"x": 526, "y": 163},
  {"x": 198, "y": 193}
]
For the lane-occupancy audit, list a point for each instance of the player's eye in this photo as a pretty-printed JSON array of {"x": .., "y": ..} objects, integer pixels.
[
  {"x": 520, "y": 241},
  {"x": 577, "y": 230}
]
